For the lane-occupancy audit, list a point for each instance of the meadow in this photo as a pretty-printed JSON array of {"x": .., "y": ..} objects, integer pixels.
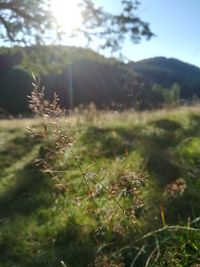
[{"x": 122, "y": 191}]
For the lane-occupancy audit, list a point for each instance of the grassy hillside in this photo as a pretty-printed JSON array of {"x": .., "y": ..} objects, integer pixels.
[{"x": 104, "y": 198}]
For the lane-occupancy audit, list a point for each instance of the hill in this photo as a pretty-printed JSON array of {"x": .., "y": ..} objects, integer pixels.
[
  {"x": 81, "y": 76},
  {"x": 93, "y": 77},
  {"x": 166, "y": 71}
]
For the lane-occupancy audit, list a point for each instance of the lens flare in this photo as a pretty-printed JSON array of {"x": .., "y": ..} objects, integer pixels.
[{"x": 67, "y": 14}]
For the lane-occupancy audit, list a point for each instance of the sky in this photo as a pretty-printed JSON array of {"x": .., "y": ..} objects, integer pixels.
[{"x": 176, "y": 24}]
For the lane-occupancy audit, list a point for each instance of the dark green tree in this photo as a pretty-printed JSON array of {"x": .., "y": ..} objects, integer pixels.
[
  {"x": 175, "y": 93},
  {"x": 167, "y": 96}
]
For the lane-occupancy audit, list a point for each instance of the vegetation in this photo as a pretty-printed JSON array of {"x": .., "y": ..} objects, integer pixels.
[
  {"x": 32, "y": 22},
  {"x": 106, "y": 82},
  {"x": 24, "y": 21},
  {"x": 169, "y": 97},
  {"x": 142, "y": 170},
  {"x": 167, "y": 71},
  {"x": 91, "y": 188},
  {"x": 113, "y": 29}
]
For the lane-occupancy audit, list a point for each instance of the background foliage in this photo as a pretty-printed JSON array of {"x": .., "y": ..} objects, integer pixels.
[{"x": 106, "y": 82}]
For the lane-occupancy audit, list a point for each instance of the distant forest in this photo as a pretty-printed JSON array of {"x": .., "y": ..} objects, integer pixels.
[{"x": 86, "y": 77}]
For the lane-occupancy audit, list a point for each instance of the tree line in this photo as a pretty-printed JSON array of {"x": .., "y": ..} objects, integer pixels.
[{"x": 106, "y": 82}]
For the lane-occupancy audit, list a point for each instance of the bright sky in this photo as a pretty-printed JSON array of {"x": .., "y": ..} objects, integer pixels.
[{"x": 176, "y": 24}]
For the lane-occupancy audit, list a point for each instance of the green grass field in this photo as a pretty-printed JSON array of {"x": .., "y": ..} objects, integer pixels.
[{"x": 126, "y": 193}]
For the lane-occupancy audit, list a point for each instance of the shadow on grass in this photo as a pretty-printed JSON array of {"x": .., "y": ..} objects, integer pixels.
[
  {"x": 109, "y": 142},
  {"x": 16, "y": 149},
  {"x": 167, "y": 124},
  {"x": 156, "y": 146},
  {"x": 25, "y": 209},
  {"x": 31, "y": 202},
  {"x": 194, "y": 125},
  {"x": 29, "y": 193},
  {"x": 23, "y": 196},
  {"x": 75, "y": 245},
  {"x": 114, "y": 142}
]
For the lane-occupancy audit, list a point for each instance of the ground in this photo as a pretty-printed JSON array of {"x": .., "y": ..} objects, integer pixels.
[{"x": 102, "y": 198}]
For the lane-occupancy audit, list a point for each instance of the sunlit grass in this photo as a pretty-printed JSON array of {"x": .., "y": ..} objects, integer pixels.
[{"x": 41, "y": 225}]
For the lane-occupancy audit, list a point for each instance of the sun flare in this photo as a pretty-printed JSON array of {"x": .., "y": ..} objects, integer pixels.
[{"x": 67, "y": 14}]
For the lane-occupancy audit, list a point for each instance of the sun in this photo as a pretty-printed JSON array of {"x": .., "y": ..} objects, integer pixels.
[{"x": 67, "y": 14}]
